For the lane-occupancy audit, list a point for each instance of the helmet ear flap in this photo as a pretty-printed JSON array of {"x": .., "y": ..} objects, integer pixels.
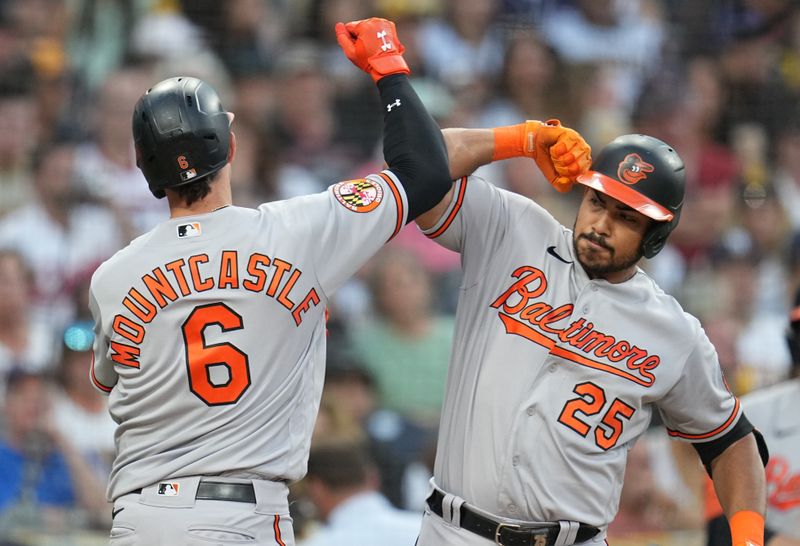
[{"x": 655, "y": 239}]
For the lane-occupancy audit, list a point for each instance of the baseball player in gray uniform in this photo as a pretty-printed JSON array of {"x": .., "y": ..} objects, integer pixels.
[
  {"x": 564, "y": 348},
  {"x": 210, "y": 329}
]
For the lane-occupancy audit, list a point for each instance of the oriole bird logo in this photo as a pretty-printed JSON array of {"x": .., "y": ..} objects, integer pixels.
[{"x": 633, "y": 169}]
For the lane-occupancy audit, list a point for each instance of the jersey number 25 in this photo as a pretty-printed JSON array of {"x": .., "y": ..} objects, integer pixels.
[{"x": 592, "y": 401}]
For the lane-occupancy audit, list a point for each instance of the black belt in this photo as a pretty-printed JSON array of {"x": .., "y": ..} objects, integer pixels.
[
  {"x": 235, "y": 492},
  {"x": 505, "y": 534}
]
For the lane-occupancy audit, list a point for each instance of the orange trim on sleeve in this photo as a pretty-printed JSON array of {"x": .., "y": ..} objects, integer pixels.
[
  {"x": 714, "y": 432},
  {"x": 462, "y": 190},
  {"x": 399, "y": 200},
  {"x": 277, "y": 529},
  {"x": 97, "y": 381}
]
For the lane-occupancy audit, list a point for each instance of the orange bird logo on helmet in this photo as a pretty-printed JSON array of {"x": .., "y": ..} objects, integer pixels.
[{"x": 633, "y": 169}]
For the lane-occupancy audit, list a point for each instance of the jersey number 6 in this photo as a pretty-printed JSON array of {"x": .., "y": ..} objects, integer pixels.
[
  {"x": 591, "y": 402},
  {"x": 201, "y": 357}
]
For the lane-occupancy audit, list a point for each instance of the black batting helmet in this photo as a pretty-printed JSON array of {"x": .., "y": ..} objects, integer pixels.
[
  {"x": 181, "y": 132},
  {"x": 647, "y": 175}
]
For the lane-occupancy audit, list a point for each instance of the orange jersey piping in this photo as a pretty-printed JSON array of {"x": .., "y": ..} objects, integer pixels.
[
  {"x": 97, "y": 381},
  {"x": 399, "y": 200},
  {"x": 462, "y": 190},
  {"x": 714, "y": 432}
]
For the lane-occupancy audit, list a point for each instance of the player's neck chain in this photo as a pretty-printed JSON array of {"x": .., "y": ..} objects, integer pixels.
[{"x": 221, "y": 207}]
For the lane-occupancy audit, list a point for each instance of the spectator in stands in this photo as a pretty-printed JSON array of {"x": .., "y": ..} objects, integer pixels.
[
  {"x": 43, "y": 475},
  {"x": 26, "y": 341},
  {"x": 99, "y": 35},
  {"x": 756, "y": 90},
  {"x": 312, "y": 151},
  {"x": 624, "y": 37},
  {"x": 61, "y": 238},
  {"x": 106, "y": 164},
  {"x": 733, "y": 291},
  {"x": 787, "y": 170},
  {"x": 775, "y": 411},
  {"x": 533, "y": 84},
  {"x": 342, "y": 483},
  {"x": 465, "y": 47},
  {"x": 407, "y": 345},
  {"x": 80, "y": 410},
  {"x": 18, "y": 136},
  {"x": 402, "y": 450},
  {"x": 684, "y": 108},
  {"x": 646, "y": 510}
]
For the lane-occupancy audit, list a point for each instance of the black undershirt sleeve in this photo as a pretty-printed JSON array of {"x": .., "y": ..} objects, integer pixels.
[
  {"x": 413, "y": 145},
  {"x": 709, "y": 451}
]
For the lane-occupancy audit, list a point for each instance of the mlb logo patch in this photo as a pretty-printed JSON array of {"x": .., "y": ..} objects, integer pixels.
[
  {"x": 189, "y": 230},
  {"x": 188, "y": 175},
  {"x": 168, "y": 489}
]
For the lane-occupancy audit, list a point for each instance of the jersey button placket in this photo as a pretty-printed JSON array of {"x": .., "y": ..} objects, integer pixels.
[
  {"x": 530, "y": 411},
  {"x": 515, "y": 460}
]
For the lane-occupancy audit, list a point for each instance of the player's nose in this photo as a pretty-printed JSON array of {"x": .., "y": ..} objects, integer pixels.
[{"x": 602, "y": 224}]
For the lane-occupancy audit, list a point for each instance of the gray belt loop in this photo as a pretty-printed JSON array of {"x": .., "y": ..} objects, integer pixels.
[
  {"x": 567, "y": 533},
  {"x": 451, "y": 509}
]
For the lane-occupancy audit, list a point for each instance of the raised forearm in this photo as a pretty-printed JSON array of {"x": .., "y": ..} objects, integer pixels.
[
  {"x": 412, "y": 145},
  {"x": 739, "y": 480},
  {"x": 468, "y": 149}
]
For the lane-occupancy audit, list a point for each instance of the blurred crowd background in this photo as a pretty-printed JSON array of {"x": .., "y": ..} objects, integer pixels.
[{"x": 717, "y": 79}]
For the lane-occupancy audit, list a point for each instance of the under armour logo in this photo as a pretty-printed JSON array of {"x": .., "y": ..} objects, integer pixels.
[
  {"x": 392, "y": 105},
  {"x": 385, "y": 46}
]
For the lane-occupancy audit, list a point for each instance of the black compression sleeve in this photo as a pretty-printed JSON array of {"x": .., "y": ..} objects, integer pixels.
[
  {"x": 708, "y": 451},
  {"x": 413, "y": 145}
]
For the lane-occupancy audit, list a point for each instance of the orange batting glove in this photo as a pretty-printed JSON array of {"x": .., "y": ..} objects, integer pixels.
[
  {"x": 373, "y": 46},
  {"x": 559, "y": 152}
]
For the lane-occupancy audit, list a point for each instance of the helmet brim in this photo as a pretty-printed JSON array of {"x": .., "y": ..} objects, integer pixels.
[{"x": 625, "y": 194}]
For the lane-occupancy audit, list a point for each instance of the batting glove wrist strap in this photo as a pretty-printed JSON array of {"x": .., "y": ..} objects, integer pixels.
[
  {"x": 559, "y": 152},
  {"x": 747, "y": 528}
]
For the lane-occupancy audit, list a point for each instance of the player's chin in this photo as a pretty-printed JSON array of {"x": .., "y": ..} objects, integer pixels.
[
  {"x": 589, "y": 253},
  {"x": 596, "y": 262}
]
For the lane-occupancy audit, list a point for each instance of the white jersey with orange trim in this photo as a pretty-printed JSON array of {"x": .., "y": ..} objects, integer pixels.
[
  {"x": 210, "y": 331},
  {"x": 554, "y": 376},
  {"x": 775, "y": 411}
]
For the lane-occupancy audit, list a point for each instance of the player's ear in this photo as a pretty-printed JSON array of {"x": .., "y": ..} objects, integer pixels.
[{"x": 232, "y": 148}]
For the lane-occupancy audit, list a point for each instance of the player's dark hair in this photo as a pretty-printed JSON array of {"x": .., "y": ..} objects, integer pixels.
[
  {"x": 340, "y": 465},
  {"x": 192, "y": 193}
]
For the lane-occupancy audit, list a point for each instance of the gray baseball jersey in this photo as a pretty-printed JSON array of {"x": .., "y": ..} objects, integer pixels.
[
  {"x": 210, "y": 331},
  {"x": 554, "y": 375},
  {"x": 775, "y": 411}
]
